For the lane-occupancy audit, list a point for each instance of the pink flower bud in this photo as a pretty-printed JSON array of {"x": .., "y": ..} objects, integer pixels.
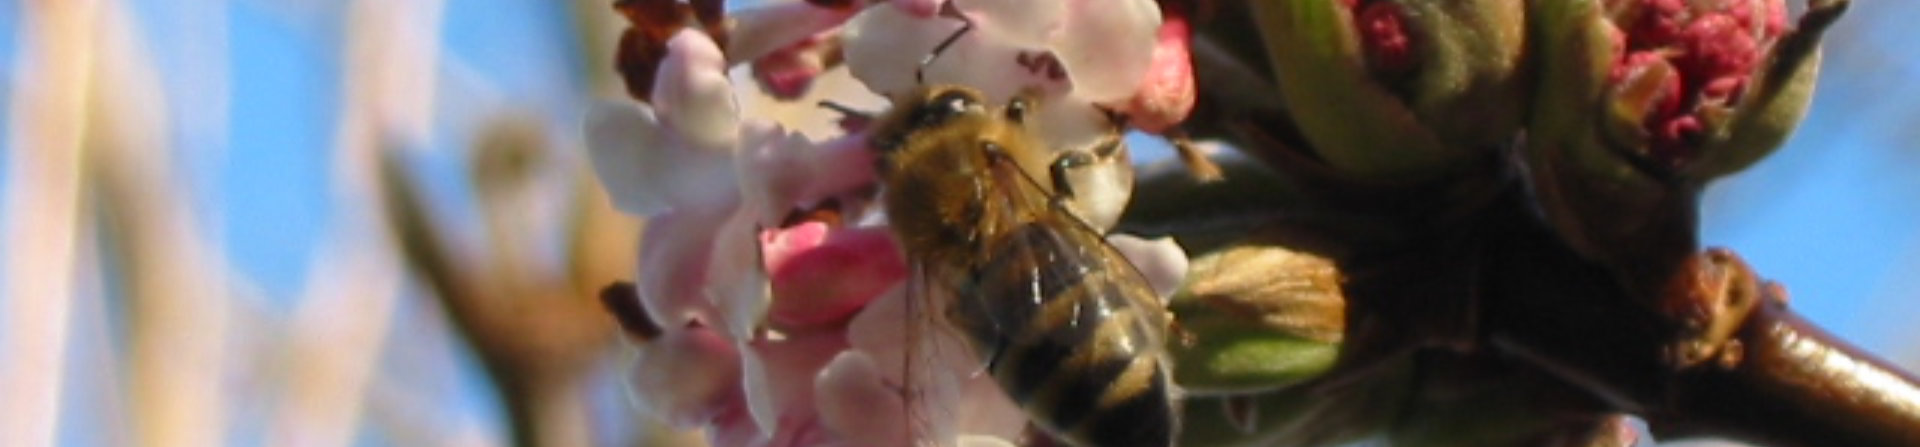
[
  {"x": 1167, "y": 94},
  {"x": 1384, "y": 37},
  {"x": 822, "y": 276}
]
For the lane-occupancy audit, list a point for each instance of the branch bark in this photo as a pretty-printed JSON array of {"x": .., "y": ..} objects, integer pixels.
[
  {"x": 1797, "y": 386},
  {"x": 1598, "y": 329}
]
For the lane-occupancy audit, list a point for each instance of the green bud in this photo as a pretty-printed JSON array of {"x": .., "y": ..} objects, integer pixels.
[
  {"x": 1256, "y": 318},
  {"x": 1777, "y": 99},
  {"x": 1399, "y": 89},
  {"x": 1633, "y": 116},
  {"x": 1566, "y": 153}
]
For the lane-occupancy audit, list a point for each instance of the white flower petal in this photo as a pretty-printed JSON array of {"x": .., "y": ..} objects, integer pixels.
[
  {"x": 737, "y": 280},
  {"x": 758, "y": 385},
  {"x": 927, "y": 360},
  {"x": 1160, "y": 260},
  {"x": 618, "y": 135},
  {"x": 856, "y": 402},
  {"x": 992, "y": 66},
  {"x": 986, "y": 410},
  {"x": 644, "y": 168},
  {"x": 781, "y": 170},
  {"x": 759, "y": 31},
  {"x": 772, "y": 172},
  {"x": 884, "y": 47},
  {"x": 685, "y": 377},
  {"x": 1106, "y": 46},
  {"x": 693, "y": 95},
  {"x": 1025, "y": 23},
  {"x": 885, "y": 327},
  {"x": 837, "y": 166},
  {"x": 779, "y": 376},
  {"x": 735, "y": 427},
  {"x": 983, "y": 441},
  {"x": 674, "y": 253},
  {"x": 1064, "y": 122},
  {"x": 880, "y": 330},
  {"x": 918, "y": 8}
]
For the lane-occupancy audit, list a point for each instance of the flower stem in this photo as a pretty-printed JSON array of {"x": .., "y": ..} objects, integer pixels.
[{"x": 1798, "y": 385}]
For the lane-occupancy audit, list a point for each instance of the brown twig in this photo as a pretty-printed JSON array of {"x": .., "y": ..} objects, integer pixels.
[
  {"x": 537, "y": 336},
  {"x": 1796, "y": 385},
  {"x": 43, "y": 197},
  {"x": 176, "y": 293}
]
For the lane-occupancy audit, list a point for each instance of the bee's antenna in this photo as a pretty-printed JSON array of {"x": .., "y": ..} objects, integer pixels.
[
  {"x": 851, "y": 120},
  {"x": 844, "y": 109},
  {"x": 920, "y": 73}
]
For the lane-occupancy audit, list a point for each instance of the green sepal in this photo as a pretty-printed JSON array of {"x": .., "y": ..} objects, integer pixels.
[
  {"x": 1776, "y": 99},
  {"x": 1353, "y": 123},
  {"x": 1469, "y": 87},
  {"x": 1591, "y": 192}
]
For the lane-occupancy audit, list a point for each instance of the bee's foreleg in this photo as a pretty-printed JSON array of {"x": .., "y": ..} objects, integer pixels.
[
  {"x": 1058, "y": 171},
  {"x": 1198, "y": 165}
]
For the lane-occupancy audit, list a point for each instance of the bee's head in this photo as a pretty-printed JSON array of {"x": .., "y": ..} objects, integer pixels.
[
  {"x": 933, "y": 108},
  {"x": 925, "y": 109}
]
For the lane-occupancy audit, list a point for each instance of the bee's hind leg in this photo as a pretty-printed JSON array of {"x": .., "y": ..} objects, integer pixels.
[{"x": 1058, "y": 172}]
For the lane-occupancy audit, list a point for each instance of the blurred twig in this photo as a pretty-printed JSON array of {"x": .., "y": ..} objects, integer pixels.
[
  {"x": 43, "y": 195},
  {"x": 178, "y": 302},
  {"x": 538, "y": 335},
  {"x": 390, "y": 61}
]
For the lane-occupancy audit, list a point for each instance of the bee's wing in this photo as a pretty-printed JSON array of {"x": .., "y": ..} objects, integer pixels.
[
  {"x": 934, "y": 360},
  {"x": 1059, "y": 238},
  {"x": 1139, "y": 292},
  {"x": 1058, "y": 257}
]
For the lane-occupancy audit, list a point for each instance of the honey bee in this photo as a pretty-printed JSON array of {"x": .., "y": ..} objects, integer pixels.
[{"x": 1061, "y": 320}]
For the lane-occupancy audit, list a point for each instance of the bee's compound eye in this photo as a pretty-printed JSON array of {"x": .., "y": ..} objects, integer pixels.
[
  {"x": 946, "y": 105},
  {"x": 954, "y": 102}
]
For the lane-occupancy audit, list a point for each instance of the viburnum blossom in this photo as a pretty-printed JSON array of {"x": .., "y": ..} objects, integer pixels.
[
  {"x": 1692, "y": 59},
  {"x": 777, "y": 290}
]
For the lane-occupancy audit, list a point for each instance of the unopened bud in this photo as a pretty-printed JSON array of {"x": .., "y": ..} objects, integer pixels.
[
  {"x": 1255, "y": 318},
  {"x": 1647, "y": 100},
  {"x": 1399, "y": 89}
]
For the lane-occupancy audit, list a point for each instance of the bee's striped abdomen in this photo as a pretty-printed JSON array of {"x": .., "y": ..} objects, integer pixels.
[{"x": 1068, "y": 340}]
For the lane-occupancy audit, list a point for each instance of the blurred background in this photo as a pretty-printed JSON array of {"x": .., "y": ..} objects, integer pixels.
[{"x": 368, "y": 222}]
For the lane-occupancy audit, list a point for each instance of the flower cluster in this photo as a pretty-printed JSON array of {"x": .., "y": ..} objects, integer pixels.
[
  {"x": 1658, "y": 93},
  {"x": 1688, "y": 60},
  {"x": 776, "y": 287}
]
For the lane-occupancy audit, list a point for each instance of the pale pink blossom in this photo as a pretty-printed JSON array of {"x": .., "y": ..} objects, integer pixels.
[
  {"x": 780, "y": 294},
  {"x": 1103, "y": 46}
]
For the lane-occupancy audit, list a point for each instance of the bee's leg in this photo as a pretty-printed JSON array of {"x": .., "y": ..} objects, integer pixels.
[
  {"x": 1062, "y": 173},
  {"x": 1198, "y": 165},
  {"x": 1061, "y": 169}
]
